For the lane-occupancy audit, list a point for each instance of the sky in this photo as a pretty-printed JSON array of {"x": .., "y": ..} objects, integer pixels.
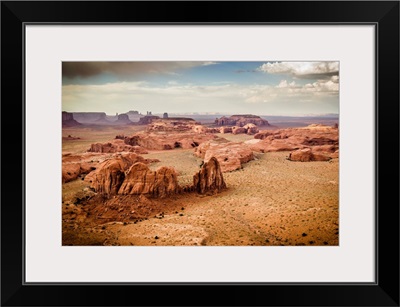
[{"x": 259, "y": 88}]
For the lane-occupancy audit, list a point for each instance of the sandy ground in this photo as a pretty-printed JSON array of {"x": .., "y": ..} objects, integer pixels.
[{"x": 271, "y": 201}]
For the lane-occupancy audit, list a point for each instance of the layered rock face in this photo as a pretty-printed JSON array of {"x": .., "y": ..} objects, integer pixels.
[
  {"x": 209, "y": 178},
  {"x": 68, "y": 120},
  {"x": 241, "y": 120},
  {"x": 140, "y": 180},
  {"x": 230, "y": 155}
]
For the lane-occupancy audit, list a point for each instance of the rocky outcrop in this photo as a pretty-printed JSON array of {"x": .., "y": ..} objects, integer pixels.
[
  {"x": 307, "y": 155},
  {"x": 251, "y": 129},
  {"x": 140, "y": 180},
  {"x": 116, "y": 145},
  {"x": 241, "y": 120},
  {"x": 161, "y": 141},
  {"x": 238, "y": 130},
  {"x": 209, "y": 179},
  {"x": 230, "y": 155},
  {"x": 172, "y": 124},
  {"x": 320, "y": 137},
  {"x": 128, "y": 174},
  {"x": 204, "y": 129},
  {"x": 68, "y": 120},
  {"x": 110, "y": 174},
  {"x": 225, "y": 130},
  {"x": 246, "y": 129}
]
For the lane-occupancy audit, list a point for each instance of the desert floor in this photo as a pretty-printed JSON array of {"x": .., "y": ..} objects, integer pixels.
[{"x": 270, "y": 201}]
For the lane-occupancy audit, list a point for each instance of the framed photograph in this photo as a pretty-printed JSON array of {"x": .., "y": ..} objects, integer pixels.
[{"x": 240, "y": 146}]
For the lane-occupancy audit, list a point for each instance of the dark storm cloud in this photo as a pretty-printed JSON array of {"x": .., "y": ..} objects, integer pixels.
[{"x": 124, "y": 69}]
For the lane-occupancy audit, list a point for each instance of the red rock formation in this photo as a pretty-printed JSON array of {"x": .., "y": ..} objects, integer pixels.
[
  {"x": 238, "y": 130},
  {"x": 225, "y": 130},
  {"x": 160, "y": 141},
  {"x": 241, "y": 120},
  {"x": 296, "y": 138},
  {"x": 116, "y": 145},
  {"x": 140, "y": 180},
  {"x": 174, "y": 124},
  {"x": 251, "y": 129},
  {"x": 110, "y": 174},
  {"x": 230, "y": 155},
  {"x": 307, "y": 155},
  {"x": 209, "y": 179}
]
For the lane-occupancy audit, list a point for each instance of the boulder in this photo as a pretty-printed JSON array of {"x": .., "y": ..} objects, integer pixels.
[{"x": 209, "y": 179}]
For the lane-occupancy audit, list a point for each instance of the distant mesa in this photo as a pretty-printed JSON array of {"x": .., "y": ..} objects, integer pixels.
[
  {"x": 148, "y": 119},
  {"x": 68, "y": 120},
  {"x": 241, "y": 120},
  {"x": 123, "y": 119},
  {"x": 89, "y": 117},
  {"x": 134, "y": 116}
]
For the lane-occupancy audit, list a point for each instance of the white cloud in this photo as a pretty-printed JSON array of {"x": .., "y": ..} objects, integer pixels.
[
  {"x": 285, "y": 84},
  {"x": 301, "y": 69},
  {"x": 209, "y": 63}
]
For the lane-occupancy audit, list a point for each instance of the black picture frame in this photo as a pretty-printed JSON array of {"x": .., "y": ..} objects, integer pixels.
[{"x": 383, "y": 14}]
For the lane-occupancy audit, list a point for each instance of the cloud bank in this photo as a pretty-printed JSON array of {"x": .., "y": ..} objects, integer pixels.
[{"x": 305, "y": 70}]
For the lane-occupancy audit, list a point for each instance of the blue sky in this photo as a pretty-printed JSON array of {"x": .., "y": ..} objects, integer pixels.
[{"x": 262, "y": 88}]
